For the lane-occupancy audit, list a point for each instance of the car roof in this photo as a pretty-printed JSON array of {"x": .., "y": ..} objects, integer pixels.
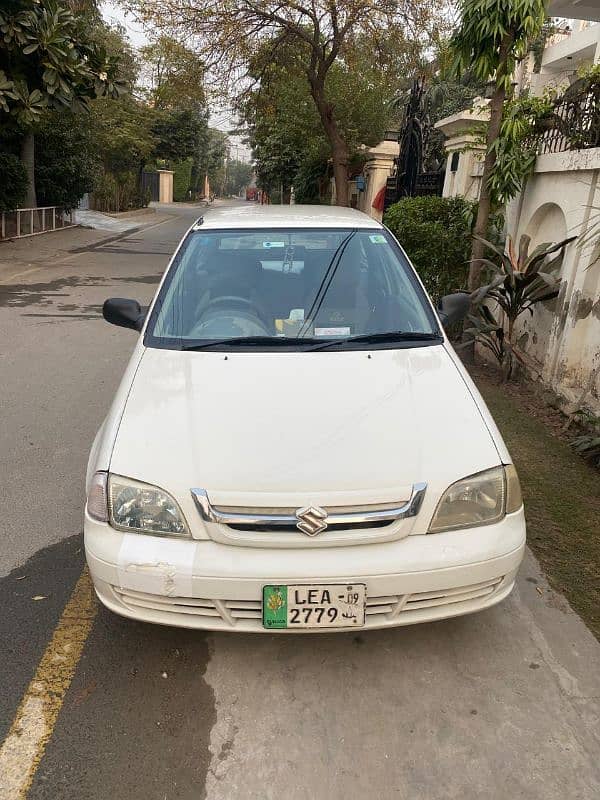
[{"x": 256, "y": 216}]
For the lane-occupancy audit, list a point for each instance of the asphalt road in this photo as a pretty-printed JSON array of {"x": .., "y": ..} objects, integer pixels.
[{"x": 504, "y": 704}]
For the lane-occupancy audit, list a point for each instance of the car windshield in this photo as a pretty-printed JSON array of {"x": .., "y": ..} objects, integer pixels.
[{"x": 295, "y": 288}]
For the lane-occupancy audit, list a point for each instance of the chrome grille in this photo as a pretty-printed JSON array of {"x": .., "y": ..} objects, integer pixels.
[{"x": 311, "y": 520}]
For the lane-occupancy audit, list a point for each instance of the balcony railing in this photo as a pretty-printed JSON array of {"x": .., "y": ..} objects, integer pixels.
[
  {"x": 574, "y": 123},
  {"x": 32, "y": 221}
]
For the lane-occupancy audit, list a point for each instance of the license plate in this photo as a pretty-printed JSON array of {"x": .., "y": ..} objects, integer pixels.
[{"x": 314, "y": 606}]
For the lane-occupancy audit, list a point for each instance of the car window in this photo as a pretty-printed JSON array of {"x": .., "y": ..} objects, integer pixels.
[{"x": 298, "y": 285}]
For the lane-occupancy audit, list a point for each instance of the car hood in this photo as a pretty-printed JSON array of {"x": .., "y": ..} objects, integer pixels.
[{"x": 283, "y": 429}]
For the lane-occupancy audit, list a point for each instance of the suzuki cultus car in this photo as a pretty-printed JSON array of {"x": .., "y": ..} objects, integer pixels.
[{"x": 295, "y": 445}]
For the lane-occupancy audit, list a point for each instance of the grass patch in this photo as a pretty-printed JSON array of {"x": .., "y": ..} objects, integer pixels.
[{"x": 562, "y": 497}]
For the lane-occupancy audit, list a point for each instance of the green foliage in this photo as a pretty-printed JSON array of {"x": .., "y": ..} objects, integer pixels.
[
  {"x": 311, "y": 182},
  {"x": 239, "y": 175},
  {"x": 284, "y": 128},
  {"x": 483, "y": 326},
  {"x": 210, "y": 160},
  {"x": 50, "y": 59},
  {"x": 493, "y": 36},
  {"x": 114, "y": 193},
  {"x": 587, "y": 444},
  {"x": 177, "y": 134},
  {"x": 182, "y": 180},
  {"x": 436, "y": 234},
  {"x": 67, "y": 163},
  {"x": 176, "y": 75},
  {"x": 123, "y": 133},
  {"x": 280, "y": 120},
  {"x": 524, "y": 119},
  {"x": 518, "y": 281},
  {"x": 13, "y": 182}
]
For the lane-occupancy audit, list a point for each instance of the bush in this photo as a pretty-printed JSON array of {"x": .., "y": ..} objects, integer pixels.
[
  {"x": 67, "y": 163},
  {"x": 120, "y": 192},
  {"x": 436, "y": 234},
  {"x": 311, "y": 181},
  {"x": 182, "y": 180},
  {"x": 13, "y": 182}
]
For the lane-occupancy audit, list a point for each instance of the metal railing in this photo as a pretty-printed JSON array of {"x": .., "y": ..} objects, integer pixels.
[
  {"x": 32, "y": 221},
  {"x": 574, "y": 123}
]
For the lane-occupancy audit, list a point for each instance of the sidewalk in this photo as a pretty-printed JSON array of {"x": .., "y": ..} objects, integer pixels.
[{"x": 20, "y": 255}]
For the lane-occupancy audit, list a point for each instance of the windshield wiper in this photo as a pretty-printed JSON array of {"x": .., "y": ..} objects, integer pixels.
[
  {"x": 268, "y": 341},
  {"x": 377, "y": 338}
]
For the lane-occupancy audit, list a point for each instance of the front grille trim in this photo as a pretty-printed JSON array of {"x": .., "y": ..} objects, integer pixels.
[
  {"x": 230, "y": 613},
  {"x": 287, "y": 519}
]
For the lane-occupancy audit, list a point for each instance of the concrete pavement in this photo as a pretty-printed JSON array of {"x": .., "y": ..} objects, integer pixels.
[{"x": 505, "y": 704}]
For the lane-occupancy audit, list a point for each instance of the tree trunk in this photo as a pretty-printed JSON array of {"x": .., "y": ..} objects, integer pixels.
[
  {"x": 339, "y": 148},
  {"x": 28, "y": 160},
  {"x": 485, "y": 199}
]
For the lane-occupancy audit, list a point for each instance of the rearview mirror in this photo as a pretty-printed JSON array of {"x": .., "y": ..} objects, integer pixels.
[
  {"x": 454, "y": 307},
  {"x": 123, "y": 312}
]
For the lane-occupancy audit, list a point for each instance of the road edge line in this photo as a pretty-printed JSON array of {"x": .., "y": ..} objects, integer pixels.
[{"x": 22, "y": 750}]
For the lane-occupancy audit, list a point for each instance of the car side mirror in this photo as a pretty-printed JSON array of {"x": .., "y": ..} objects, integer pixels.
[
  {"x": 124, "y": 312},
  {"x": 454, "y": 307}
]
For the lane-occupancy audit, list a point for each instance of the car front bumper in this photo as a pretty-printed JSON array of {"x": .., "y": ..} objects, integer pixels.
[{"x": 208, "y": 585}]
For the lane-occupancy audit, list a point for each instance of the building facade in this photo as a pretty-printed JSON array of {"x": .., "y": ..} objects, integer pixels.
[{"x": 560, "y": 340}]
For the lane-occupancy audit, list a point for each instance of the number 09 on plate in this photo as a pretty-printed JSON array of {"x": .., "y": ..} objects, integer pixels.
[{"x": 314, "y": 606}]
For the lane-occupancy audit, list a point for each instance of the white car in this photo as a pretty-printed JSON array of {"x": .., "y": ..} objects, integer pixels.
[{"x": 295, "y": 445}]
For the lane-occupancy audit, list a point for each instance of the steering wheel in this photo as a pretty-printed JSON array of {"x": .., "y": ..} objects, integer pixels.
[{"x": 229, "y": 300}]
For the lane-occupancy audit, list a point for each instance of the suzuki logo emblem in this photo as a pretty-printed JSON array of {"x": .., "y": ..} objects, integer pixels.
[{"x": 311, "y": 520}]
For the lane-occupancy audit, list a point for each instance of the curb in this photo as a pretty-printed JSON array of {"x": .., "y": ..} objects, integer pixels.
[{"x": 116, "y": 237}]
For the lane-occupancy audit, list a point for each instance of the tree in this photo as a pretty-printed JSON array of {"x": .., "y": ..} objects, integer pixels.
[
  {"x": 491, "y": 38},
  {"x": 321, "y": 34},
  {"x": 280, "y": 121},
  {"x": 67, "y": 162},
  {"x": 123, "y": 131},
  {"x": 239, "y": 175},
  {"x": 49, "y": 59},
  {"x": 177, "y": 134},
  {"x": 210, "y": 161},
  {"x": 176, "y": 75},
  {"x": 283, "y": 126}
]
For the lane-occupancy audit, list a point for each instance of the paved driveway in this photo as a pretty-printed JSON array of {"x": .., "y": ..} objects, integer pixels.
[{"x": 504, "y": 704}]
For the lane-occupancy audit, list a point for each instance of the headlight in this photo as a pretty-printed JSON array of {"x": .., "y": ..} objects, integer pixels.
[
  {"x": 140, "y": 508},
  {"x": 480, "y": 499}
]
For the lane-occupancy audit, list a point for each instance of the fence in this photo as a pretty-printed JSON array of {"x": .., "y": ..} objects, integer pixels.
[
  {"x": 32, "y": 221},
  {"x": 574, "y": 124}
]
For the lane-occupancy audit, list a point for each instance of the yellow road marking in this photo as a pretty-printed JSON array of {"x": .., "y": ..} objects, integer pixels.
[{"x": 23, "y": 748}]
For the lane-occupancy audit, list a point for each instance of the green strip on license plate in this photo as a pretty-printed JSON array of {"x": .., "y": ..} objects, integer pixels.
[{"x": 275, "y": 606}]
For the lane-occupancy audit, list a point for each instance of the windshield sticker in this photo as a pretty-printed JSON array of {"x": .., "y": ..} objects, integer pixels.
[
  {"x": 296, "y": 315},
  {"x": 377, "y": 238},
  {"x": 341, "y": 331},
  {"x": 268, "y": 245}
]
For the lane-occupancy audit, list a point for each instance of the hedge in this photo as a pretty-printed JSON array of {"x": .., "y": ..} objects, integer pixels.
[
  {"x": 436, "y": 235},
  {"x": 13, "y": 182},
  {"x": 182, "y": 180}
]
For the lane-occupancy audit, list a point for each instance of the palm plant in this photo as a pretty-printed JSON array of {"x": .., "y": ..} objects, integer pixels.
[
  {"x": 519, "y": 281},
  {"x": 587, "y": 444}
]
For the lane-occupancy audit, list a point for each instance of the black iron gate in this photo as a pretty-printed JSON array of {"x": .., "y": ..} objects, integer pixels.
[
  {"x": 150, "y": 186},
  {"x": 409, "y": 180}
]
